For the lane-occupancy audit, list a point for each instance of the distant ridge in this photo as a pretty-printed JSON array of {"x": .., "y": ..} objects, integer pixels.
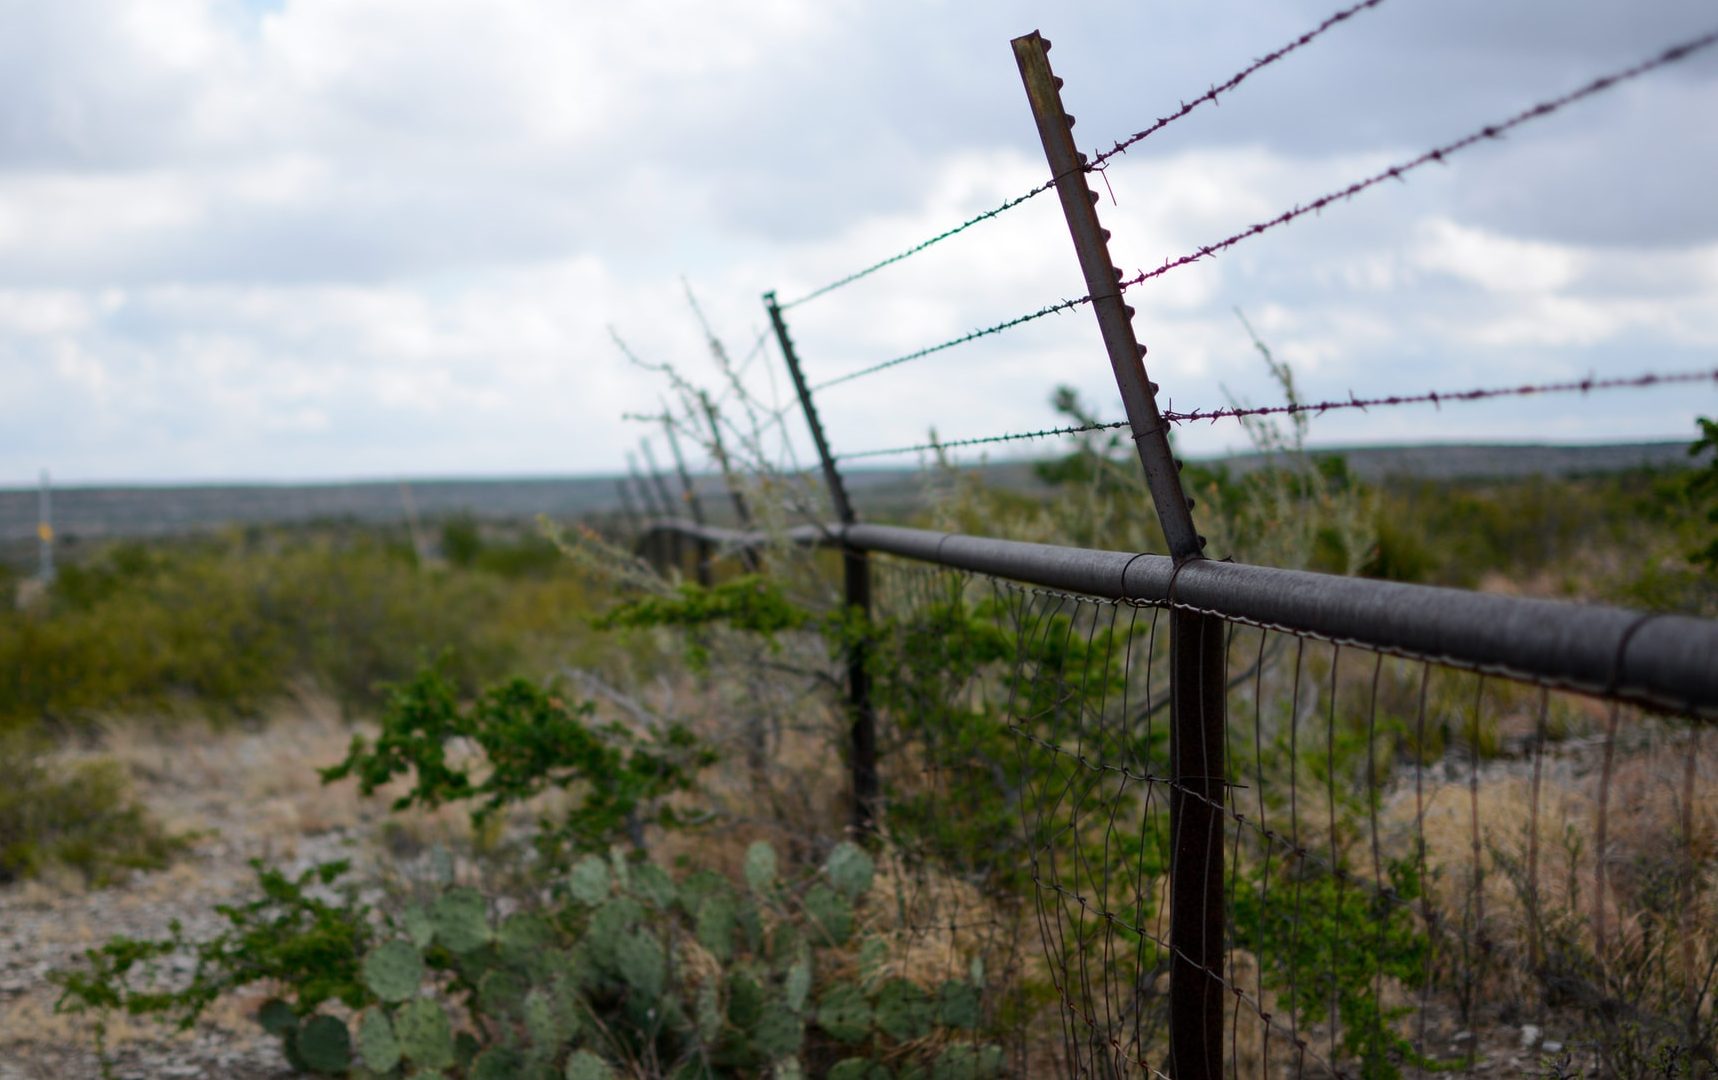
[{"x": 114, "y": 511}]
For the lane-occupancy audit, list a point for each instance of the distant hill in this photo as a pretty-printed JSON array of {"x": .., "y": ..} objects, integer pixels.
[{"x": 86, "y": 513}]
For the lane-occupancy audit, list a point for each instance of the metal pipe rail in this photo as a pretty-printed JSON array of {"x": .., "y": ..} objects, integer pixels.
[{"x": 1663, "y": 661}]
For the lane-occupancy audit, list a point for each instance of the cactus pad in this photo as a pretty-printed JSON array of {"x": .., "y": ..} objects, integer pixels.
[
  {"x": 277, "y": 1017},
  {"x": 844, "y": 1013},
  {"x": 873, "y": 955},
  {"x": 639, "y": 960},
  {"x": 965, "y": 1062},
  {"x": 584, "y": 1065},
  {"x": 461, "y": 920},
  {"x": 376, "y": 1042},
  {"x": 652, "y": 884},
  {"x": 716, "y": 926},
  {"x": 325, "y": 1045},
  {"x": 497, "y": 1063},
  {"x": 589, "y": 881},
  {"x": 904, "y": 1011},
  {"x": 858, "y": 1069},
  {"x": 779, "y": 1032},
  {"x": 850, "y": 869},
  {"x": 831, "y": 912},
  {"x": 524, "y": 938},
  {"x": 418, "y": 925},
  {"x": 501, "y": 993},
  {"x": 425, "y": 1036},
  {"x": 958, "y": 1005},
  {"x": 797, "y": 985},
  {"x": 393, "y": 970},
  {"x": 549, "y": 1018},
  {"x": 760, "y": 866}
]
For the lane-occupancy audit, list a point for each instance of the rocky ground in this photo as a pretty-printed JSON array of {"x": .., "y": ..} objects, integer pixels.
[{"x": 245, "y": 795}]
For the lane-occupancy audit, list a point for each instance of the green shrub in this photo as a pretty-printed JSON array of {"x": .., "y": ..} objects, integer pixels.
[{"x": 76, "y": 816}]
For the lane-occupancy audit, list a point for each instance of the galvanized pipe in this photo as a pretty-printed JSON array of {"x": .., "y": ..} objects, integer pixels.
[{"x": 1664, "y": 661}]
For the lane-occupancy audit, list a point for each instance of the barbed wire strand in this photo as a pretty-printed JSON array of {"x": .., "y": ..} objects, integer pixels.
[
  {"x": 974, "y": 335},
  {"x": 1432, "y": 397},
  {"x": 1438, "y": 154},
  {"x": 1098, "y": 159},
  {"x": 1122, "y": 146}
]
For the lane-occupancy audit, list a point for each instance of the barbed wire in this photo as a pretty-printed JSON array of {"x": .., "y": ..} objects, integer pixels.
[
  {"x": 1431, "y": 397},
  {"x": 1121, "y": 147},
  {"x": 1048, "y": 309},
  {"x": 1397, "y": 172},
  {"x": 1098, "y": 159}
]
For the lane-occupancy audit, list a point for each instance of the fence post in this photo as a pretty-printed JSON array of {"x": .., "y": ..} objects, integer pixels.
[
  {"x": 45, "y": 529},
  {"x": 673, "y": 548},
  {"x": 856, "y": 575},
  {"x": 627, "y": 509},
  {"x": 1198, "y": 649},
  {"x": 742, "y": 511},
  {"x": 700, "y": 547}
]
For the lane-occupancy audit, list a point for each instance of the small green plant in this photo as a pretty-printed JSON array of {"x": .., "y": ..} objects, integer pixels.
[
  {"x": 76, "y": 816},
  {"x": 531, "y": 740}
]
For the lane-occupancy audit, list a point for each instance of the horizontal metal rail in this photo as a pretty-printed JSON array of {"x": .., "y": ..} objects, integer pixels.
[{"x": 1660, "y": 660}]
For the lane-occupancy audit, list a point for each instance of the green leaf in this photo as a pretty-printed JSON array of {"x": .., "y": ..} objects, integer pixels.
[
  {"x": 779, "y": 1032},
  {"x": 652, "y": 885},
  {"x": 497, "y": 1063},
  {"x": 418, "y": 925},
  {"x": 501, "y": 993},
  {"x": 461, "y": 920},
  {"x": 376, "y": 1042},
  {"x": 850, "y": 869},
  {"x": 393, "y": 970},
  {"x": 325, "y": 1045},
  {"x": 716, "y": 926},
  {"x": 844, "y": 1013}
]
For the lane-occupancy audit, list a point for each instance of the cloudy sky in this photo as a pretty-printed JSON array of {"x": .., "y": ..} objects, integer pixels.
[{"x": 295, "y": 239}]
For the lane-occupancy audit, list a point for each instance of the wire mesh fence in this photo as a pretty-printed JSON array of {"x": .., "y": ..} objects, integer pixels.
[{"x": 1426, "y": 868}]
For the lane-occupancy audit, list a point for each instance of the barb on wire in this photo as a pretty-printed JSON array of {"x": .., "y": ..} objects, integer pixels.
[
  {"x": 922, "y": 245},
  {"x": 1434, "y": 397},
  {"x": 1048, "y": 309},
  {"x": 954, "y": 444},
  {"x": 1430, "y": 397},
  {"x": 1438, "y": 154},
  {"x": 1121, "y": 147}
]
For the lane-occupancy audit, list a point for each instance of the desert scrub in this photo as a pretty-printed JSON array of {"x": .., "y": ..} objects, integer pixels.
[
  {"x": 72, "y": 815},
  {"x": 222, "y": 626}
]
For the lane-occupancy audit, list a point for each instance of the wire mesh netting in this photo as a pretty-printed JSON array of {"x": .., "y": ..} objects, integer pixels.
[{"x": 1425, "y": 868}]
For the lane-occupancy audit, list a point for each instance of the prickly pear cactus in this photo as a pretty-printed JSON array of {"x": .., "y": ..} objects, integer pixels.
[
  {"x": 831, "y": 913},
  {"x": 967, "y": 1062},
  {"x": 652, "y": 885},
  {"x": 716, "y": 925},
  {"x": 376, "y": 1042},
  {"x": 904, "y": 1012},
  {"x": 418, "y": 925},
  {"x": 797, "y": 985},
  {"x": 501, "y": 993},
  {"x": 425, "y": 1036},
  {"x": 589, "y": 881},
  {"x": 640, "y": 961},
  {"x": 277, "y": 1017},
  {"x": 959, "y": 1005},
  {"x": 844, "y": 1013},
  {"x": 325, "y": 1045},
  {"x": 584, "y": 1065},
  {"x": 760, "y": 867},
  {"x": 850, "y": 870},
  {"x": 393, "y": 970},
  {"x": 498, "y": 1063},
  {"x": 858, "y": 1069},
  {"x": 461, "y": 920}
]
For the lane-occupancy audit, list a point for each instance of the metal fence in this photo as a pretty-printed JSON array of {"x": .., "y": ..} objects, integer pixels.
[{"x": 1260, "y": 821}]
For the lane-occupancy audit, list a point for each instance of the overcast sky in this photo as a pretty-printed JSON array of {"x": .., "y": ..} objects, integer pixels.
[{"x": 296, "y": 239}]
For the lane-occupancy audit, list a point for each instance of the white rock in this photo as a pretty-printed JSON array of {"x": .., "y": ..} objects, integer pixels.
[
  {"x": 1551, "y": 1047},
  {"x": 1530, "y": 1034}
]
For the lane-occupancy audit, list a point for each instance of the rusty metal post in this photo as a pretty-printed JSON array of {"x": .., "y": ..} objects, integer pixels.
[
  {"x": 856, "y": 575},
  {"x": 652, "y": 546},
  {"x": 1197, "y": 642},
  {"x": 700, "y": 547}
]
